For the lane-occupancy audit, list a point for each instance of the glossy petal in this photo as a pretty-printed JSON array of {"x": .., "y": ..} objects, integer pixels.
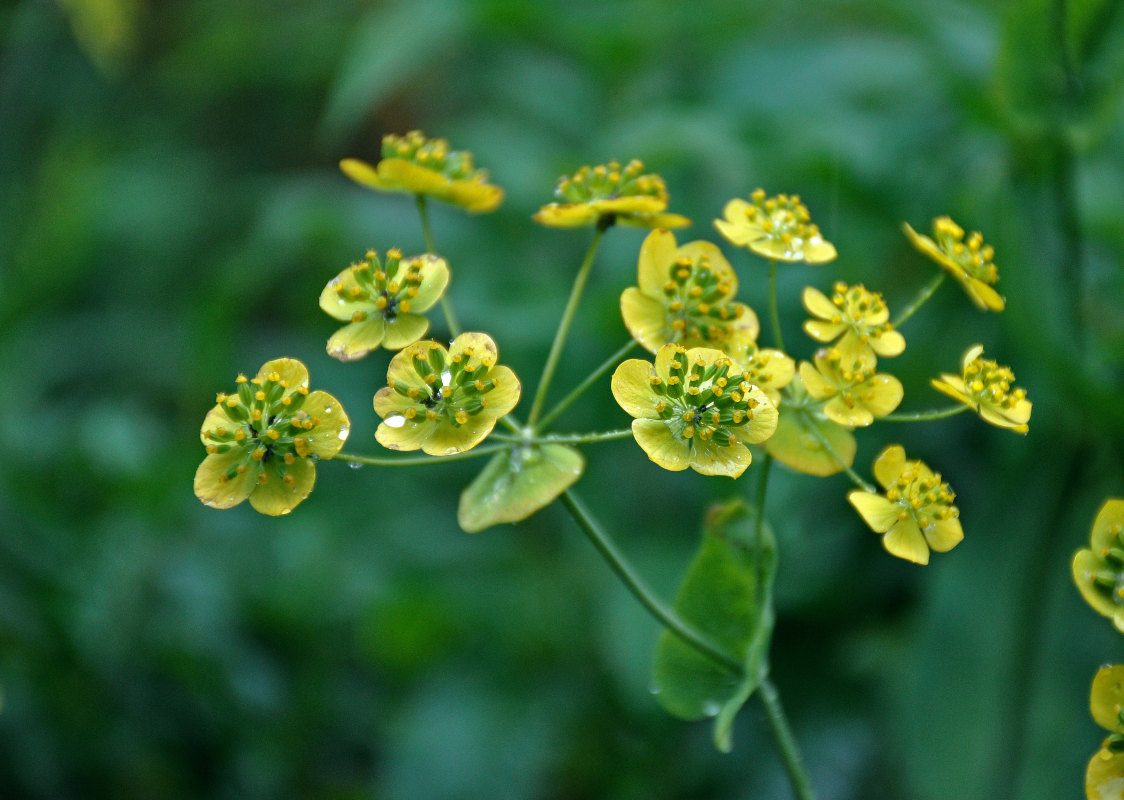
[
  {"x": 216, "y": 418},
  {"x": 474, "y": 196},
  {"x": 654, "y": 220},
  {"x": 216, "y": 493},
  {"x": 362, "y": 173},
  {"x": 746, "y": 324},
  {"x": 854, "y": 416},
  {"x": 764, "y": 422},
  {"x": 953, "y": 386},
  {"x": 1104, "y": 777},
  {"x": 1002, "y": 418},
  {"x": 434, "y": 279},
  {"x": 1085, "y": 568},
  {"x": 796, "y": 446},
  {"x": 342, "y": 306},
  {"x": 328, "y": 437},
  {"x": 700, "y": 250},
  {"x": 289, "y": 370},
  {"x": 404, "y": 329},
  {"x": 1106, "y": 699},
  {"x": 740, "y": 235},
  {"x": 447, "y": 440},
  {"x": 632, "y": 204},
  {"x": 388, "y": 402},
  {"x": 396, "y": 432},
  {"x": 944, "y": 534},
  {"x": 818, "y": 304},
  {"x": 275, "y": 497},
  {"x": 657, "y": 253},
  {"x": 882, "y": 394},
  {"x": 905, "y": 541},
  {"x": 889, "y": 344},
  {"x": 481, "y": 345},
  {"x": 814, "y": 381},
  {"x": 1108, "y": 525},
  {"x": 645, "y": 318},
  {"x": 878, "y": 512},
  {"x": 399, "y": 175},
  {"x": 401, "y": 368},
  {"x": 632, "y": 389},
  {"x": 819, "y": 252},
  {"x": 985, "y": 297},
  {"x": 566, "y": 215},
  {"x": 505, "y": 396},
  {"x": 661, "y": 445},
  {"x": 823, "y": 331},
  {"x": 356, "y": 340},
  {"x": 709, "y": 458},
  {"x": 970, "y": 355}
]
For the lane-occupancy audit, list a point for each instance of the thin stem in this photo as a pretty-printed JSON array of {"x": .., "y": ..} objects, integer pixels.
[
  {"x": 446, "y": 305},
  {"x": 918, "y": 301},
  {"x": 564, "y": 327},
  {"x": 635, "y": 584},
  {"x": 417, "y": 461},
  {"x": 566, "y": 401},
  {"x": 773, "y": 313},
  {"x": 567, "y": 438},
  {"x": 759, "y": 527},
  {"x": 924, "y": 416},
  {"x": 854, "y": 476},
  {"x": 786, "y": 742}
]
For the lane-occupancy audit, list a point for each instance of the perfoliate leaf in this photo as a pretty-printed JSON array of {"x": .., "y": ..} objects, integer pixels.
[
  {"x": 797, "y": 445},
  {"x": 726, "y": 595},
  {"x": 517, "y": 483}
]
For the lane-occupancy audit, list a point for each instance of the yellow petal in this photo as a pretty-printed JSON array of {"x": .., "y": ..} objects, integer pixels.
[
  {"x": 275, "y": 497},
  {"x": 341, "y": 305},
  {"x": 361, "y": 172},
  {"x": 854, "y": 351},
  {"x": 944, "y": 534},
  {"x": 764, "y": 421},
  {"x": 566, "y": 215},
  {"x": 216, "y": 418},
  {"x": 665, "y": 355},
  {"x": 711, "y": 458},
  {"x": 389, "y": 403},
  {"x": 398, "y": 433},
  {"x": 434, "y": 272},
  {"x": 882, "y": 394},
  {"x": 700, "y": 250},
  {"x": 474, "y": 196},
  {"x": 505, "y": 396},
  {"x": 448, "y": 439},
  {"x": 970, "y": 355},
  {"x": 632, "y": 204},
  {"x": 1107, "y": 525},
  {"x": 288, "y": 370},
  {"x": 888, "y": 344},
  {"x": 646, "y": 319},
  {"x": 481, "y": 345},
  {"x": 746, "y": 324},
  {"x": 327, "y": 437},
  {"x": 401, "y": 368},
  {"x": 657, "y": 253},
  {"x": 1001, "y": 419},
  {"x": 632, "y": 389},
  {"x": 889, "y": 464},
  {"x": 818, "y": 251},
  {"x": 661, "y": 445},
  {"x": 796, "y": 446},
  {"x": 823, "y": 331},
  {"x": 1107, "y": 697},
  {"x": 404, "y": 329},
  {"x": 356, "y": 340},
  {"x": 953, "y": 386},
  {"x": 397, "y": 174},
  {"x": 1085, "y": 567},
  {"x": 814, "y": 381},
  {"x": 654, "y": 220},
  {"x": 734, "y": 226},
  {"x": 905, "y": 541},
  {"x": 217, "y": 493},
  {"x": 836, "y": 410},
  {"x": 985, "y": 298},
  {"x": 877, "y": 512},
  {"x": 818, "y": 304},
  {"x": 1104, "y": 777}
]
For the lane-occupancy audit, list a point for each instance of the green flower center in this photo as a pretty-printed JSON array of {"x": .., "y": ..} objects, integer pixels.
[
  {"x": 926, "y": 498},
  {"x": 696, "y": 301},
  {"x": 783, "y": 218},
  {"x": 432, "y": 154},
  {"x": 990, "y": 384},
  {"x": 390, "y": 289},
  {"x": 267, "y": 424},
  {"x": 704, "y": 400},
  {"x": 971, "y": 255},
  {"x": 452, "y": 390},
  {"x": 609, "y": 182},
  {"x": 856, "y": 304},
  {"x": 1109, "y": 579}
]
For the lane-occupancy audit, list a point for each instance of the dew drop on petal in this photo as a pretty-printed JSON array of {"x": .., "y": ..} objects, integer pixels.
[
  {"x": 395, "y": 421},
  {"x": 344, "y": 431}
]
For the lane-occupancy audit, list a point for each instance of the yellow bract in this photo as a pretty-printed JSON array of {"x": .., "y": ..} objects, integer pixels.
[
  {"x": 916, "y": 513},
  {"x": 858, "y": 318},
  {"x": 854, "y": 392},
  {"x": 444, "y": 401},
  {"x": 694, "y": 408},
  {"x": 382, "y": 302},
  {"x": 262, "y": 440},
  {"x": 412, "y": 164},
  {"x": 967, "y": 261},
  {"x": 594, "y": 195},
  {"x": 1098, "y": 570},
  {"x": 1104, "y": 777},
  {"x": 985, "y": 387},
  {"x": 685, "y": 296},
  {"x": 778, "y": 228}
]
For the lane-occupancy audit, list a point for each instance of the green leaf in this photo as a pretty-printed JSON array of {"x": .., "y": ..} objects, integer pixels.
[
  {"x": 721, "y": 597},
  {"x": 517, "y": 483}
]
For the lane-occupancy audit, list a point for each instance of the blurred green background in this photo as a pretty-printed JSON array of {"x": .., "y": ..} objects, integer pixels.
[{"x": 170, "y": 209}]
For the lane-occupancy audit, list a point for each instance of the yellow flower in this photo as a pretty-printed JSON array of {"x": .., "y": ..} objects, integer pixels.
[
  {"x": 967, "y": 261},
  {"x": 778, "y": 228},
  {"x": 694, "y": 408},
  {"x": 607, "y": 193},
  {"x": 263, "y": 440},
  {"x": 1098, "y": 570},
  {"x": 768, "y": 369},
  {"x": 685, "y": 296},
  {"x": 381, "y": 302},
  {"x": 985, "y": 387},
  {"x": 1104, "y": 777},
  {"x": 444, "y": 401},
  {"x": 412, "y": 164},
  {"x": 856, "y": 395},
  {"x": 916, "y": 514},
  {"x": 802, "y": 431},
  {"x": 860, "y": 316}
]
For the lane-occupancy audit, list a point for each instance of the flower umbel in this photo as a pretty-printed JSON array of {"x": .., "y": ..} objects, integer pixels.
[
  {"x": 778, "y": 228},
  {"x": 695, "y": 409},
  {"x": 916, "y": 514},
  {"x": 968, "y": 261},
  {"x": 859, "y": 316},
  {"x": 444, "y": 401},
  {"x": 412, "y": 164},
  {"x": 594, "y": 195},
  {"x": 262, "y": 440},
  {"x": 1104, "y": 777},
  {"x": 1098, "y": 570},
  {"x": 382, "y": 302},
  {"x": 854, "y": 392},
  {"x": 685, "y": 295},
  {"x": 985, "y": 387}
]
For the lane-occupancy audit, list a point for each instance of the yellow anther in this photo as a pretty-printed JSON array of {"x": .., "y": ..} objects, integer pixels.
[
  {"x": 259, "y": 395},
  {"x": 272, "y": 434},
  {"x": 404, "y": 306},
  {"x": 239, "y": 435},
  {"x": 355, "y": 291},
  {"x": 240, "y": 379},
  {"x": 241, "y": 469},
  {"x": 288, "y": 480},
  {"x": 696, "y": 291},
  {"x": 689, "y": 432},
  {"x": 462, "y": 416},
  {"x": 430, "y": 414},
  {"x": 286, "y": 400},
  {"x": 380, "y": 303},
  {"x": 359, "y": 316},
  {"x": 410, "y": 412},
  {"x": 290, "y": 458},
  {"x": 221, "y": 397},
  {"x": 232, "y": 402},
  {"x": 263, "y": 477},
  {"x": 258, "y": 454},
  {"x": 212, "y": 449},
  {"x": 255, "y": 415}
]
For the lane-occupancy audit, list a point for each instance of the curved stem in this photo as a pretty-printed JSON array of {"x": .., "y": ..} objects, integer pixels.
[
  {"x": 416, "y": 461},
  {"x": 566, "y": 401},
  {"x": 854, "y": 476},
  {"x": 759, "y": 526},
  {"x": 773, "y": 313},
  {"x": 635, "y": 584},
  {"x": 446, "y": 306},
  {"x": 918, "y": 301},
  {"x": 567, "y": 438},
  {"x": 786, "y": 742},
  {"x": 564, "y": 327},
  {"x": 924, "y": 416}
]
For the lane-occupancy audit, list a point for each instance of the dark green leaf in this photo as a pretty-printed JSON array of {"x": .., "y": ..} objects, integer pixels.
[{"x": 517, "y": 483}]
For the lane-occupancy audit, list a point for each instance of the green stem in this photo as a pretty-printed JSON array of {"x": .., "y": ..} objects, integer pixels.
[
  {"x": 567, "y": 438},
  {"x": 758, "y": 528},
  {"x": 566, "y": 401},
  {"x": 416, "y": 461},
  {"x": 918, "y": 301},
  {"x": 854, "y": 476},
  {"x": 446, "y": 305},
  {"x": 773, "y": 313},
  {"x": 564, "y": 327},
  {"x": 635, "y": 584},
  {"x": 786, "y": 742},
  {"x": 924, "y": 416}
]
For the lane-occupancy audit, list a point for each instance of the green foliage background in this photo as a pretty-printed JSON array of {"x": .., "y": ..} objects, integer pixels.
[{"x": 170, "y": 208}]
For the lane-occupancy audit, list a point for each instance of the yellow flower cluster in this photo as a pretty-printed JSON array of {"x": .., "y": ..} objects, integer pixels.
[
  {"x": 969, "y": 261},
  {"x": 610, "y": 193},
  {"x": 777, "y": 228},
  {"x": 986, "y": 388}
]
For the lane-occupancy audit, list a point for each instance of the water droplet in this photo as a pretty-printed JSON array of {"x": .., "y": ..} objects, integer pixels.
[
  {"x": 395, "y": 421},
  {"x": 355, "y": 465},
  {"x": 711, "y": 708},
  {"x": 344, "y": 431}
]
